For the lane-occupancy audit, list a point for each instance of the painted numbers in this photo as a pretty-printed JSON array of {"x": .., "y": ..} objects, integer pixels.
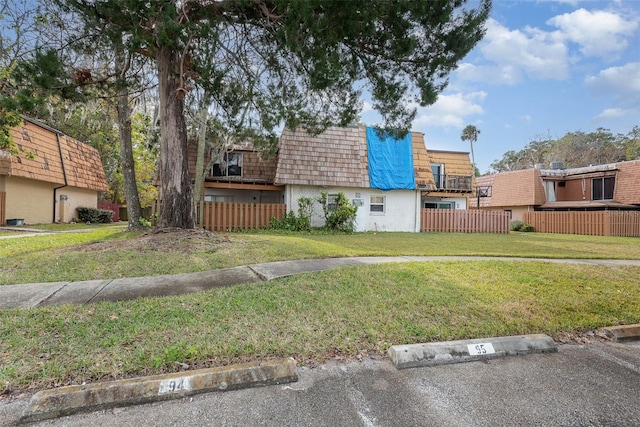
[
  {"x": 480, "y": 349},
  {"x": 174, "y": 385}
]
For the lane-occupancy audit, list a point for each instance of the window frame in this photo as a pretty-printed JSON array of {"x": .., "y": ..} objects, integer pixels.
[
  {"x": 377, "y": 204},
  {"x": 225, "y": 160},
  {"x": 603, "y": 190},
  {"x": 440, "y": 176}
]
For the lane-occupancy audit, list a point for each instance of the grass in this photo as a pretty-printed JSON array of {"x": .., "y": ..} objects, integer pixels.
[
  {"x": 78, "y": 256},
  {"x": 312, "y": 317}
]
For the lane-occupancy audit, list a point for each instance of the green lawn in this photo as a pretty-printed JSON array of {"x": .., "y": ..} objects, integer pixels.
[
  {"x": 312, "y": 317},
  {"x": 111, "y": 253}
]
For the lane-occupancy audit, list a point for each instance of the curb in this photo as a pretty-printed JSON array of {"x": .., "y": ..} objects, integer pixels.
[
  {"x": 447, "y": 352},
  {"x": 69, "y": 400},
  {"x": 623, "y": 333}
]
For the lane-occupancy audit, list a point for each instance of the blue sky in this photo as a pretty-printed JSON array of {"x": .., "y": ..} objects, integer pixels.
[{"x": 544, "y": 68}]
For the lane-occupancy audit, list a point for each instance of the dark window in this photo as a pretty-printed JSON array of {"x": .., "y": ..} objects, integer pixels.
[
  {"x": 602, "y": 188},
  {"x": 376, "y": 204},
  {"x": 230, "y": 166},
  {"x": 438, "y": 174},
  {"x": 332, "y": 202}
]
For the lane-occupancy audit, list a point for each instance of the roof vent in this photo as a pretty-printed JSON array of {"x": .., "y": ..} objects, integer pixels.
[{"x": 556, "y": 165}]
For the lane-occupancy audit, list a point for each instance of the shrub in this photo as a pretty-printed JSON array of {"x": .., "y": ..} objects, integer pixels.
[
  {"x": 342, "y": 217},
  {"x": 94, "y": 215},
  {"x": 516, "y": 225},
  {"x": 526, "y": 228},
  {"x": 521, "y": 226},
  {"x": 290, "y": 221}
]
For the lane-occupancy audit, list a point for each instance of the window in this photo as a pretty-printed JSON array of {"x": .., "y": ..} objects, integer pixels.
[
  {"x": 218, "y": 198},
  {"x": 376, "y": 204},
  {"x": 230, "y": 166},
  {"x": 438, "y": 174},
  {"x": 332, "y": 202},
  {"x": 439, "y": 205},
  {"x": 550, "y": 190},
  {"x": 602, "y": 188}
]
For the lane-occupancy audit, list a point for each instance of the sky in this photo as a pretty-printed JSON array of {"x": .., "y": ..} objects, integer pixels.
[{"x": 543, "y": 69}]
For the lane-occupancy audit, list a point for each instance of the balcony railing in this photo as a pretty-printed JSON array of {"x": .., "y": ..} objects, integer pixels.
[{"x": 457, "y": 183}]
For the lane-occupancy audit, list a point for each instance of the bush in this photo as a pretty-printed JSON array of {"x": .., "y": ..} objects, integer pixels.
[
  {"x": 527, "y": 228},
  {"x": 94, "y": 215},
  {"x": 521, "y": 226},
  {"x": 290, "y": 221},
  {"x": 343, "y": 215},
  {"x": 516, "y": 225}
]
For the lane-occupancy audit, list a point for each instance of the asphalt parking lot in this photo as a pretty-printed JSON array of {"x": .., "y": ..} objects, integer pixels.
[{"x": 595, "y": 384}]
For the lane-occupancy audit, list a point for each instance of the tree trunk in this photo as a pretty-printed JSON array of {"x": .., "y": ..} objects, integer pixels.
[
  {"x": 134, "y": 211},
  {"x": 176, "y": 205},
  {"x": 200, "y": 171},
  {"x": 130, "y": 186}
]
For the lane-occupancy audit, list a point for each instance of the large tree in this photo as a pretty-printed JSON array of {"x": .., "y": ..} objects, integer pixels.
[{"x": 292, "y": 63}]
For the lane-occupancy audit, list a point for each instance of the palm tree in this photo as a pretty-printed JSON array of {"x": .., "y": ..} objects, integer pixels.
[{"x": 470, "y": 133}]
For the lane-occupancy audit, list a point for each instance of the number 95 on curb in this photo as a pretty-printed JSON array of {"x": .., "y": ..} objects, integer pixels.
[{"x": 480, "y": 349}]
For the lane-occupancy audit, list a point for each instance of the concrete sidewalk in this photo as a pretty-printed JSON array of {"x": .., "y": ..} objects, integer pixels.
[{"x": 90, "y": 291}]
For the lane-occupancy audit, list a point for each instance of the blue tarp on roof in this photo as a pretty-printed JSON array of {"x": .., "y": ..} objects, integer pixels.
[{"x": 390, "y": 161}]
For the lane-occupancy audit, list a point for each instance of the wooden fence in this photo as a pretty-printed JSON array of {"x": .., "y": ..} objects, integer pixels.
[
  {"x": 223, "y": 216},
  {"x": 464, "y": 221},
  {"x": 594, "y": 223},
  {"x": 3, "y": 208}
]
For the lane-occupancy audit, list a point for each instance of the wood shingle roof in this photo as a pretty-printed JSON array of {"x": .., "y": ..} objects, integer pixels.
[
  {"x": 44, "y": 154},
  {"x": 336, "y": 157}
]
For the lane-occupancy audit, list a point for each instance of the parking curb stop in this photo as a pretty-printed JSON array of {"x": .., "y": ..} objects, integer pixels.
[
  {"x": 70, "y": 400},
  {"x": 447, "y": 352}
]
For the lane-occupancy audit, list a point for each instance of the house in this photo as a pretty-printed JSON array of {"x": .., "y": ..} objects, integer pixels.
[
  {"x": 242, "y": 175},
  {"x": 453, "y": 176},
  {"x": 611, "y": 186},
  {"x": 390, "y": 180},
  {"x": 48, "y": 175}
]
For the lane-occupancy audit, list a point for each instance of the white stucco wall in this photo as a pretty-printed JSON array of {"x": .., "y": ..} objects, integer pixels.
[{"x": 401, "y": 207}]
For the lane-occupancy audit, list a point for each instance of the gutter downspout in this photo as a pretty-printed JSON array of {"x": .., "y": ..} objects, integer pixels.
[{"x": 64, "y": 174}]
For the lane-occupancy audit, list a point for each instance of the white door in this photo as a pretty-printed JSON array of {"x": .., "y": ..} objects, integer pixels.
[{"x": 361, "y": 216}]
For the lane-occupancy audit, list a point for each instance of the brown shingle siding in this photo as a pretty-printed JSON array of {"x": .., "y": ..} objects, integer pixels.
[
  {"x": 336, "y": 157},
  {"x": 39, "y": 158},
  {"x": 627, "y": 187},
  {"x": 456, "y": 162},
  {"x": 518, "y": 188}
]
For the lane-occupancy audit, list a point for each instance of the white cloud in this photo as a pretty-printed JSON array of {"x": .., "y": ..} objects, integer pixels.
[
  {"x": 516, "y": 53},
  {"x": 613, "y": 113},
  {"x": 366, "y": 107},
  {"x": 621, "y": 81},
  {"x": 599, "y": 33},
  {"x": 451, "y": 110}
]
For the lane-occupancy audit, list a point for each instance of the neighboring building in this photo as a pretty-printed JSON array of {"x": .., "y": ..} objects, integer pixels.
[
  {"x": 453, "y": 175},
  {"x": 612, "y": 186},
  {"x": 242, "y": 175},
  {"x": 49, "y": 176},
  {"x": 390, "y": 182}
]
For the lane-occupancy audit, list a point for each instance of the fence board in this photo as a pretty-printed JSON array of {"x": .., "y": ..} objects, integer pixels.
[
  {"x": 3, "y": 208},
  {"x": 464, "y": 221},
  {"x": 224, "y": 216},
  {"x": 593, "y": 223}
]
